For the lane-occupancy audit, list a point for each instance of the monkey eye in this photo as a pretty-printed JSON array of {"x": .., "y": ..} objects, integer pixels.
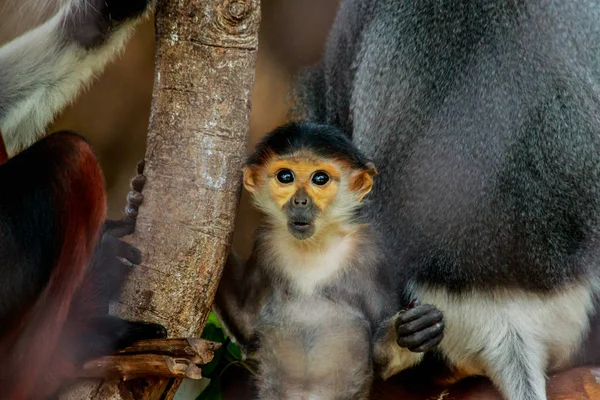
[
  {"x": 285, "y": 176},
  {"x": 320, "y": 178}
]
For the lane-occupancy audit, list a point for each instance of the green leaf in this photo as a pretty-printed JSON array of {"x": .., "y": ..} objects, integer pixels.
[
  {"x": 213, "y": 330},
  {"x": 229, "y": 354},
  {"x": 234, "y": 350},
  {"x": 213, "y": 320}
]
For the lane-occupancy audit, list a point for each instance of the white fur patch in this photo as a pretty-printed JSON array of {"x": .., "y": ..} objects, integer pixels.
[
  {"x": 308, "y": 270},
  {"x": 512, "y": 336}
]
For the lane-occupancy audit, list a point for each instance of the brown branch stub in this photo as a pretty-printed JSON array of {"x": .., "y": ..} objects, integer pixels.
[
  {"x": 196, "y": 351},
  {"x": 128, "y": 367},
  {"x": 164, "y": 358}
]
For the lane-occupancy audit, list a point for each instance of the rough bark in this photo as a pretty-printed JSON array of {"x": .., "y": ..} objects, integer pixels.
[{"x": 205, "y": 58}]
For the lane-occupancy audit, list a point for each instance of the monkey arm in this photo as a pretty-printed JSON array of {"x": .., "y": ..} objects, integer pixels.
[
  {"x": 90, "y": 331},
  {"x": 241, "y": 294},
  {"x": 59, "y": 273},
  {"x": 113, "y": 258},
  {"x": 50, "y": 217}
]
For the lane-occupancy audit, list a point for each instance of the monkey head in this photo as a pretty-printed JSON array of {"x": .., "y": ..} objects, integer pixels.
[{"x": 308, "y": 178}]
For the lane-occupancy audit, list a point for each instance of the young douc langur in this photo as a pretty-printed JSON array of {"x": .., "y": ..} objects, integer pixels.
[{"x": 316, "y": 302}]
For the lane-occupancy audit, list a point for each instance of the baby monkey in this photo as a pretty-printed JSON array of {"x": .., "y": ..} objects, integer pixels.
[{"x": 315, "y": 304}]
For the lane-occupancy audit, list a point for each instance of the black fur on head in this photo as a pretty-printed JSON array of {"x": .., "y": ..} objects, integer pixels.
[{"x": 323, "y": 140}]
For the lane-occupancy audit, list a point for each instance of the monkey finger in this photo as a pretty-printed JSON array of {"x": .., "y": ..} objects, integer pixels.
[
  {"x": 138, "y": 182},
  {"x": 415, "y": 313},
  {"x": 148, "y": 330},
  {"x": 119, "y": 228},
  {"x": 417, "y": 339},
  {"x": 129, "y": 252},
  {"x": 415, "y": 303},
  {"x": 132, "y": 211},
  {"x": 136, "y": 198},
  {"x": 125, "y": 269},
  {"x": 415, "y": 325},
  {"x": 427, "y": 346},
  {"x": 140, "y": 167}
]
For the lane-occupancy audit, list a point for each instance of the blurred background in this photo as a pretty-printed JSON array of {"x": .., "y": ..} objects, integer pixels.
[{"x": 113, "y": 113}]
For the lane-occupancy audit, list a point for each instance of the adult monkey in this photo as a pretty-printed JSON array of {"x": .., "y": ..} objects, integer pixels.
[
  {"x": 482, "y": 118},
  {"x": 61, "y": 262}
]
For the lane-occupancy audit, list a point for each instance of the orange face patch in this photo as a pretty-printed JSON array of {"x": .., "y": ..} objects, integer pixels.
[{"x": 303, "y": 171}]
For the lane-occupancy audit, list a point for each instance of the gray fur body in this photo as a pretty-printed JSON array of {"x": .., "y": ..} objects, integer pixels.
[
  {"x": 312, "y": 341},
  {"x": 43, "y": 70},
  {"x": 483, "y": 121},
  {"x": 313, "y": 348}
]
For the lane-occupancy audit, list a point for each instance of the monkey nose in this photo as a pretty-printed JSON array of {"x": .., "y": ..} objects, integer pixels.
[{"x": 301, "y": 200}]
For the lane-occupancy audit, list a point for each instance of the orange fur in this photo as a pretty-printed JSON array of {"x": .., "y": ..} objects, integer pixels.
[
  {"x": 361, "y": 182},
  {"x": 303, "y": 170}
]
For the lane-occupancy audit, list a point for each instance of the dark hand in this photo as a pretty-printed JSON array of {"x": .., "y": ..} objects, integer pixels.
[
  {"x": 420, "y": 328},
  {"x": 113, "y": 258}
]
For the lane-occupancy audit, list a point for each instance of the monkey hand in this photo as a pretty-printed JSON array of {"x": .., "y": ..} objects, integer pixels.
[
  {"x": 113, "y": 258},
  {"x": 112, "y": 261},
  {"x": 419, "y": 328}
]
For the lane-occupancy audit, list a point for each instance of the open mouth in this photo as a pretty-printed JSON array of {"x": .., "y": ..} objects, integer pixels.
[
  {"x": 301, "y": 229},
  {"x": 301, "y": 225}
]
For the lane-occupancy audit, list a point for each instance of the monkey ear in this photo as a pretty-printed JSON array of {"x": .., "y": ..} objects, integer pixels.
[
  {"x": 371, "y": 169},
  {"x": 361, "y": 183},
  {"x": 250, "y": 179}
]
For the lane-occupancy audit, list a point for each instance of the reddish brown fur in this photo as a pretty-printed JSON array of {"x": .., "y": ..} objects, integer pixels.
[{"x": 31, "y": 346}]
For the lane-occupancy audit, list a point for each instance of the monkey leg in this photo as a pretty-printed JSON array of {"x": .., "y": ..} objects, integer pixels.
[
  {"x": 91, "y": 331},
  {"x": 589, "y": 353},
  {"x": 512, "y": 336},
  {"x": 517, "y": 367}
]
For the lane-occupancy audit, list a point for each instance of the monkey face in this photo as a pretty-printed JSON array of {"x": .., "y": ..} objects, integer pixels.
[
  {"x": 303, "y": 189},
  {"x": 305, "y": 193}
]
